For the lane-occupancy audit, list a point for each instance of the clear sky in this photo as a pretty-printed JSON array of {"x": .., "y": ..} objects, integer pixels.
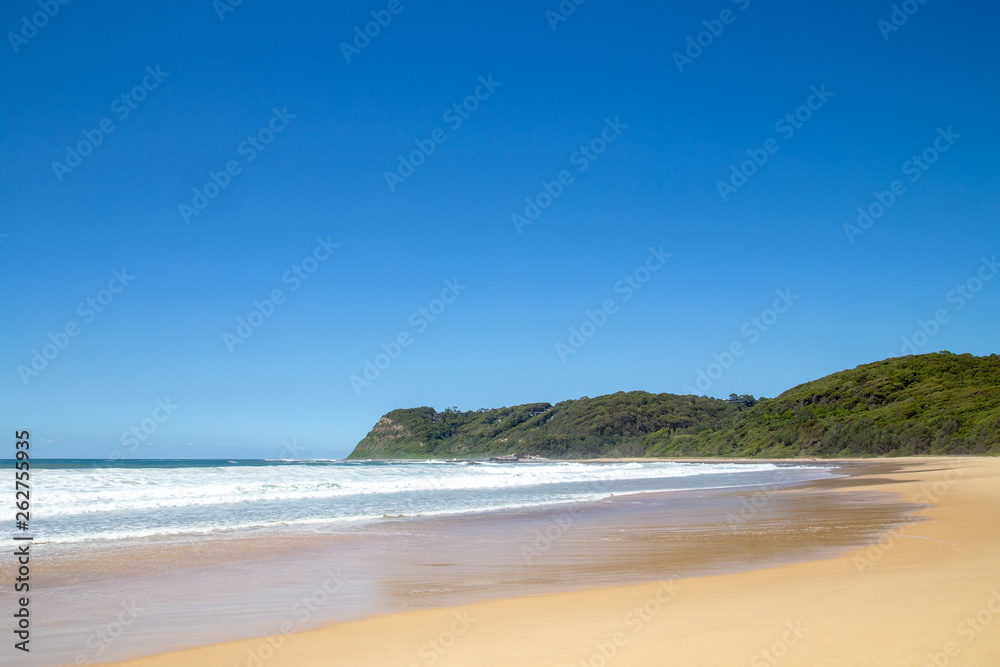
[{"x": 592, "y": 171}]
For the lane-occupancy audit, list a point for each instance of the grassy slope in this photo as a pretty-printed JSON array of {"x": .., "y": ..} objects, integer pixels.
[{"x": 927, "y": 404}]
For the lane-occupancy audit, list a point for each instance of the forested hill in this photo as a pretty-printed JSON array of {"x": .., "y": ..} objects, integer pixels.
[
  {"x": 588, "y": 427},
  {"x": 938, "y": 403}
]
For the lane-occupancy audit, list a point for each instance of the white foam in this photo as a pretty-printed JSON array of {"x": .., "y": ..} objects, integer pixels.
[{"x": 73, "y": 492}]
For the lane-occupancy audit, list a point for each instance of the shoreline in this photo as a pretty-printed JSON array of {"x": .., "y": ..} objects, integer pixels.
[
  {"x": 181, "y": 583},
  {"x": 839, "y": 599},
  {"x": 260, "y": 527}
]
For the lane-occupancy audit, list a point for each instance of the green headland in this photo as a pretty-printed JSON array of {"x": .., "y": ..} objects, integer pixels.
[{"x": 930, "y": 404}]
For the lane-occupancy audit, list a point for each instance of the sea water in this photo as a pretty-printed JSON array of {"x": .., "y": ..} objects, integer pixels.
[{"x": 83, "y": 500}]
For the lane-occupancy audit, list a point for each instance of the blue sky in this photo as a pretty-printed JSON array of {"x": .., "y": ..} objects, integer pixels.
[{"x": 598, "y": 100}]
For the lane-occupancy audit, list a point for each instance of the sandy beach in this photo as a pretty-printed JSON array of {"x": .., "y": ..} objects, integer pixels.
[{"x": 927, "y": 592}]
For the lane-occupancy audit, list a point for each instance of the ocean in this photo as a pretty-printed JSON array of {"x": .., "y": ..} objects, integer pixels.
[{"x": 76, "y": 501}]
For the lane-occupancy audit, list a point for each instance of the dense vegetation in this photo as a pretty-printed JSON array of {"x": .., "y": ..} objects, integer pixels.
[
  {"x": 588, "y": 427},
  {"x": 928, "y": 404}
]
